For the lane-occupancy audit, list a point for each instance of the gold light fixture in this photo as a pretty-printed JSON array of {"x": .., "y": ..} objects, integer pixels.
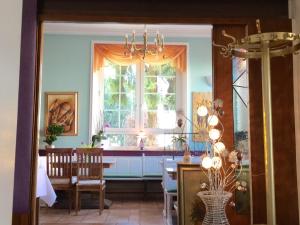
[{"x": 132, "y": 49}]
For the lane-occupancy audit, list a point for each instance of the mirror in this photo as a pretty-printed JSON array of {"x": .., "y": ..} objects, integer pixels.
[{"x": 240, "y": 90}]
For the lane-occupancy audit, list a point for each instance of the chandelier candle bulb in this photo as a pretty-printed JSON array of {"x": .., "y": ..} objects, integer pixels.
[
  {"x": 126, "y": 40},
  {"x": 146, "y": 48}
]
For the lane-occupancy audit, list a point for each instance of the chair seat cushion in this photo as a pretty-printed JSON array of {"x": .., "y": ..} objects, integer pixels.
[
  {"x": 171, "y": 190},
  {"x": 63, "y": 180},
  {"x": 74, "y": 179},
  {"x": 91, "y": 182}
]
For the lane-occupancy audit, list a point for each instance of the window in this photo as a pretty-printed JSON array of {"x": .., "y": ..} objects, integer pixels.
[
  {"x": 138, "y": 97},
  {"x": 119, "y": 87}
]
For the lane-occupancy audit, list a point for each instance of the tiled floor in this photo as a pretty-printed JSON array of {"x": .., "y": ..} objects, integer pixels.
[{"x": 120, "y": 213}]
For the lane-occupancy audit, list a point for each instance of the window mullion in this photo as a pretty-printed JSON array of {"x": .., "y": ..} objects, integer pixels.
[
  {"x": 119, "y": 114},
  {"x": 137, "y": 97},
  {"x": 142, "y": 107}
]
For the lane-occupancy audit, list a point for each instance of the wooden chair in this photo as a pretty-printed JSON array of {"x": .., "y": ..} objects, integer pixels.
[
  {"x": 59, "y": 170},
  {"x": 169, "y": 186},
  {"x": 90, "y": 174}
]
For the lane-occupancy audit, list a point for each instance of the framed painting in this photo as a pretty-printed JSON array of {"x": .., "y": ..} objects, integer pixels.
[
  {"x": 191, "y": 210},
  {"x": 62, "y": 108},
  {"x": 199, "y": 123}
]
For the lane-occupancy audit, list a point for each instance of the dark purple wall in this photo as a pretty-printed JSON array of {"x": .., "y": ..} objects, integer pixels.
[{"x": 21, "y": 201}]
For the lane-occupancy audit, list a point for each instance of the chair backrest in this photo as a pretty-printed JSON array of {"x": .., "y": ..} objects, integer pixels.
[
  {"x": 169, "y": 183},
  {"x": 59, "y": 163},
  {"x": 89, "y": 163}
]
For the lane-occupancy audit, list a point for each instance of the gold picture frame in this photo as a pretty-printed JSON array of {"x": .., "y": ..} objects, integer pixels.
[
  {"x": 62, "y": 108},
  {"x": 191, "y": 209},
  {"x": 200, "y": 98}
]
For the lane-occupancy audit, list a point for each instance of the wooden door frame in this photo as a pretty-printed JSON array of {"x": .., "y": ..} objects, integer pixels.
[
  {"x": 74, "y": 18},
  {"x": 218, "y": 92}
]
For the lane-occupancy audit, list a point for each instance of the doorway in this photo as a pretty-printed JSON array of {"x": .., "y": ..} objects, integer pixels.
[{"x": 67, "y": 68}]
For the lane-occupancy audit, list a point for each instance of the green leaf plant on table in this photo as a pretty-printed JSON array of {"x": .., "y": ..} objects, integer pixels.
[
  {"x": 53, "y": 131},
  {"x": 179, "y": 141}
]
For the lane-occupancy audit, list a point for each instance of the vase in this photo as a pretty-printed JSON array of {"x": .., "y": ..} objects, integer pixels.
[
  {"x": 179, "y": 146},
  {"x": 50, "y": 146},
  {"x": 187, "y": 158},
  {"x": 215, "y": 203}
]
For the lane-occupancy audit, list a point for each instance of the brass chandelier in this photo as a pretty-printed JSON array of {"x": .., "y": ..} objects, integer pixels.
[{"x": 132, "y": 49}]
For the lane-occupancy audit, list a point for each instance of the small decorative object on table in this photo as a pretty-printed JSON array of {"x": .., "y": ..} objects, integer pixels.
[
  {"x": 97, "y": 138},
  {"x": 99, "y": 130},
  {"x": 141, "y": 140},
  {"x": 179, "y": 140},
  {"x": 221, "y": 167},
  {"x": 53, "y": 131},
  {"x": 187, "y": 158}
]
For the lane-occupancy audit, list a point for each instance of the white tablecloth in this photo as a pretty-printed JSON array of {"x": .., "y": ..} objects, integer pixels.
[{"x": 44, "y": 189}]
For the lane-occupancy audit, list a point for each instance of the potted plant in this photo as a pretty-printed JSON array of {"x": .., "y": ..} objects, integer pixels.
[
  {"x": 179, "y": 141},
  {"x": 97, "y": 138},
  {"x": 53, "y": 131}
]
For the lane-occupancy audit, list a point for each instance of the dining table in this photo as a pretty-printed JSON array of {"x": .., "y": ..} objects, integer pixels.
[
  {"x": 44, "y": 189},
  {"x": 172, "y": 171}
]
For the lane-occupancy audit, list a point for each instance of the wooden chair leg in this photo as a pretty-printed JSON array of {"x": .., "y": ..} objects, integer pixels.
[
  {"x": 79, "y": 200},
  {"x": 165, "y": 205},
  {"x": 168, "y": 209},
  {"x": 103, "y": 199},
  {"x": 100, "y": 201},
  {"x": 76, "y": 201},
  {"x": 74, "y": 198},
  {"x": 70, "y": 200}
]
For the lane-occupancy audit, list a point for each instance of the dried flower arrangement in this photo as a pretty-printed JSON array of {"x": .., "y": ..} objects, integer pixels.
[{"x": 221, "y": 166}]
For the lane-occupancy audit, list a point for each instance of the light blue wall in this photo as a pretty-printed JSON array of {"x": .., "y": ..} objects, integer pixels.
[{"x": 67, "y": 65}]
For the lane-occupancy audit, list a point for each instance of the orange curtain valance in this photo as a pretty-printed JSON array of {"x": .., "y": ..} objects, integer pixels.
[{"x": 174, "y": 54}]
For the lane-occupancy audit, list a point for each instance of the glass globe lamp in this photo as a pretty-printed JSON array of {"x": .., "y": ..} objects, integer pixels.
[
  {"x": 202, "y": 110},
  {"x": 213, "y": 120},
  {"x": 216, "y": 162},
  {"x": 219, "y": 147},
  {"x": 207, "y": 162},
  {"x": 214, "y": 134}
]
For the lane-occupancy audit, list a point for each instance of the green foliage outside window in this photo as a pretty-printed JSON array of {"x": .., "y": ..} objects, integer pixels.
[{"x": 120, "y": 95}]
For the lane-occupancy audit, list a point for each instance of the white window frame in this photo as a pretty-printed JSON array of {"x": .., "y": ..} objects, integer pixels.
[{"x": 97, "y": 90}]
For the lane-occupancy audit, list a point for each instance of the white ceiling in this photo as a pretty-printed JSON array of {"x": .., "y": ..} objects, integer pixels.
[{"x": 120, "y": 29}]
